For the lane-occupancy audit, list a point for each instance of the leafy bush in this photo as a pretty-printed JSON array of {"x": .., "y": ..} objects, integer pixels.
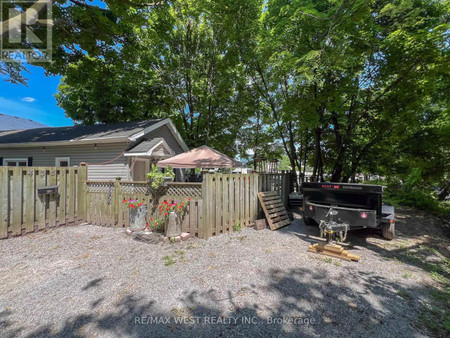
[
  {"x": 157, "y": 177},
  {"x": 237, "y": 227},
  {"x": 420, "y": 199},
  {"x": 413, "y": 192}
]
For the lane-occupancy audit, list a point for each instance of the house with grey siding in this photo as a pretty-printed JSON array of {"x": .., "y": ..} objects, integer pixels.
[{"x": 124, "y": 150}]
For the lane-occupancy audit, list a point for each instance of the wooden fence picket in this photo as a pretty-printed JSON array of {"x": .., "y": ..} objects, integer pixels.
[
  {"x": 23, "y": 210},
  {"x": 217, "y": 203}
]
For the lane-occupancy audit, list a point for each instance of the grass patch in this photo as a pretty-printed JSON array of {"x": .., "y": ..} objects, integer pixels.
[
  {"x": 177, "y": 256},
  {"x": 439, "y": 278},
  {"x": 407, "y": 275},
  {"x": 168, "y": 260},
  {"x": 191, "y": 246},
  {"x": 439, "y": 270},
  {"x": 324, "y": 259},
  {"x": 436, "y": 316},
  {"x": 405, "y": 295},
  {"x": 237, "y": 227}
]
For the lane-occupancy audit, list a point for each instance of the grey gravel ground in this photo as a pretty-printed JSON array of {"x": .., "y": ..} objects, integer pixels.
[{"x": 95, "y": 281}]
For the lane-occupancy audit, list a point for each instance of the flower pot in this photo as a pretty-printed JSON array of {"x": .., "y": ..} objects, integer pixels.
[
  {"x": 137, "y": 217},
  {"x": 173, "y": 226}
]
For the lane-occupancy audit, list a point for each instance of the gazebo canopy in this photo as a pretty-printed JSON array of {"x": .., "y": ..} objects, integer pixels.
[{"x": 202, "y": 157}]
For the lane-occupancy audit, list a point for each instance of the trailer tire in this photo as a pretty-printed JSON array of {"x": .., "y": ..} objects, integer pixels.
[
  {"x": 388, "y": 230},
  {"x": 309, "y": 221}
]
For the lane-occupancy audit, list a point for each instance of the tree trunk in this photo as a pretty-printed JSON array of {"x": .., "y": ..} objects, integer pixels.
[
  {"x": 317, "y": 154},
  {"x": 337, "y": 171},
  {"x": 357, "y": 161}
]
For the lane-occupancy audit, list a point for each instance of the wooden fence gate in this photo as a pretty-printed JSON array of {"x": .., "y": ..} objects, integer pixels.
[
  {"x": 229, "y": 200},
  {"x": 24, "y": 210}
]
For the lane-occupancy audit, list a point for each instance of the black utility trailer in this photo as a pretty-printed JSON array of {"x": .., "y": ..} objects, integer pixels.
[{"x": 338, "y": 207}]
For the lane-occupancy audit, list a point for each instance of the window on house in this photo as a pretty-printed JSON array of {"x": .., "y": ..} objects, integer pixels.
[
  {"x": 15, "y": 162},
  {"x": 62, "y": 161}
]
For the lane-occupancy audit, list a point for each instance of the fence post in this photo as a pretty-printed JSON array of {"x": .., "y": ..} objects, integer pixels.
[
  {"x": 204, "y": 220},
  {"x": 4, "y": 203},
  {"x": 82, "y": 195},
  {"x": 28, "y": 200},
  {"x": 115, "y": 203}
]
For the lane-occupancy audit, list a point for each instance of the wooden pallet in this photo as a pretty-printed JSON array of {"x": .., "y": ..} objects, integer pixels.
[
  {"x": 333, "y": 250},
  {"x": 274, "y": 209}
]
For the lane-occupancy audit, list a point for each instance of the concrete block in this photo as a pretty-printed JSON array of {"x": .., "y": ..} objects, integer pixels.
[{"x": 185, "y": 235}]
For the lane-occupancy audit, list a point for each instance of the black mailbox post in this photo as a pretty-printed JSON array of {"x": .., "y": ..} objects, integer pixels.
[{"x": 48, "y": 190}]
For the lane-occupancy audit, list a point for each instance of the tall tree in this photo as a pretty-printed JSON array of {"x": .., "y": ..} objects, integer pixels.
[{"x": 361, "y": 69}]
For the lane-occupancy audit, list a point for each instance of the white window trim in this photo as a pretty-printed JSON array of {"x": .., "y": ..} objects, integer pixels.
[
  {"x": 59, "y": 159},
  {"x": 15, "y": 159}
]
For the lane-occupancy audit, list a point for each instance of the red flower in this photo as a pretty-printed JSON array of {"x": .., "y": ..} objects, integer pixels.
[
  {"x": 189, "y": 199},
  {"x": 156, "y": 223},
  {"x": 165, "y": 214},
  {"x": 151, "y": 219},
  {"x": 139, "y": 204},
  {"x": 123, "y": 202}
]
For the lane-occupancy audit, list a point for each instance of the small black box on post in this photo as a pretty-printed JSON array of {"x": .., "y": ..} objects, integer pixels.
[{"x": 48, "y": 190}]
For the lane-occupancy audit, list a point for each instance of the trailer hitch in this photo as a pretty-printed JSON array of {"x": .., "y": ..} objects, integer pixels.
[{"x": 329, "y": 229}]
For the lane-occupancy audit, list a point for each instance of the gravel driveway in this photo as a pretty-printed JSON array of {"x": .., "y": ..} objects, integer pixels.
[{"x": 95, "y": 281}]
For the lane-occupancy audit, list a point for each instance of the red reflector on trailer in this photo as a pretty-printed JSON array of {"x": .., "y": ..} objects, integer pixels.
[
  {"x": 363, "y": 215},
  {"x": 310, "y": 207}
]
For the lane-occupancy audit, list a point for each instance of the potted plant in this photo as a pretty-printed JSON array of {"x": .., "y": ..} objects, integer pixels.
[
  {"x": 138, "y": 212},
  {"x": 155, "y": 225},
  {"x": 158, "y": 178},
  {"x": 171, "y": 214}
]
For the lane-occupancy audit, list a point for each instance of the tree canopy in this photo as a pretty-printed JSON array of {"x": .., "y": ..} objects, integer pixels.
[{"x": 341, "y": 87}]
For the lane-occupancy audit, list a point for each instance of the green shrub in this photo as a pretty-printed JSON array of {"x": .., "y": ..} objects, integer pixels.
[
  {"x": 237, "y": 227},
  {"x": 420, "y": 199},
  {"x": 157, "y": 177}
]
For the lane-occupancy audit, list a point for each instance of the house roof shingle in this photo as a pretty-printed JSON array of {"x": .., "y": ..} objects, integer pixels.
[
  {"x": 9, "y": 122},
  {"x": 144, "y": 146},
  {"x": 76, "y": 133}
]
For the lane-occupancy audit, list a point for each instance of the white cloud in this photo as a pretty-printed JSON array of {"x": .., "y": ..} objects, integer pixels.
[
  {"x": 28, "y": 99},
  {"x": 16, "y": 108}
]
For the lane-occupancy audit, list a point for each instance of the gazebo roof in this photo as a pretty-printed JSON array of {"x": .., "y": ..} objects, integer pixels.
[{"x": 202, "y": 157}]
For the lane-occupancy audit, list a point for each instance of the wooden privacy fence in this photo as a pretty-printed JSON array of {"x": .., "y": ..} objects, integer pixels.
[
  {"x": 280, "y": 182},
  {"x": 24, "y": 210},
  {"x": 229, "y": 200},
  {"x": 105, "y": 202},
  {"x": 217, "y": 204}
]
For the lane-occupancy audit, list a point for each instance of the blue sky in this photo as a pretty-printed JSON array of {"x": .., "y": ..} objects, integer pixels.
[{"x": 36, "y": 102}]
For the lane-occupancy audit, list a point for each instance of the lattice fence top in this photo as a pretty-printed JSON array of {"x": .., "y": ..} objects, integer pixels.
[
  {"x": 135, "y": 188},
  {"x": 193, "y": 190},
  {"x": 100, "y": 186},
  {"x": 184, "y": 189}
]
